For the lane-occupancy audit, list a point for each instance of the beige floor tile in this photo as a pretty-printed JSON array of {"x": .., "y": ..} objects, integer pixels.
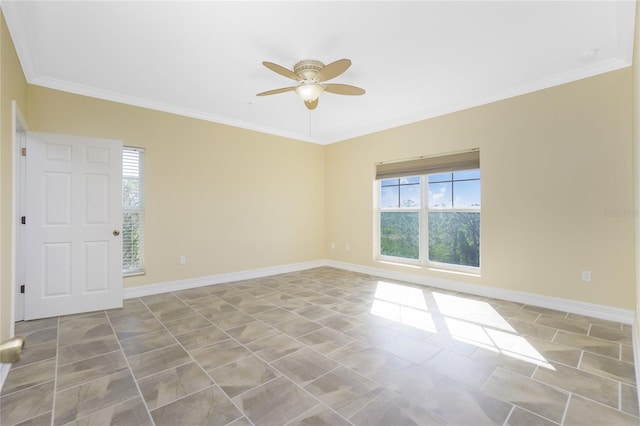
[
  {"x": 390, "y": 409},
  {"x": 325, "y": 340},
  {"x": 37, "y": 353},
  {"x": 343, "y": 390},
  {"x": 27, "y": 404},
  {"x": 416, "y": 351},
  {"x": 168, "y": 385},
  {"x": 193, "y": 322},
  {"x": 76, "y": 329},
  {"x": 242, "y": 375},
  {"x": 147, "y": 342},
  {"x": 520, "y": 417},
  {"x": 588, "y": 343},
  {"x": 608, "y": 367},
  {"x": 304, "y": 366},
  {"x": 30, "y": 375},
  {"x": 527, "y": 393},
  {"x": 582, "y": 411},
  {"x": 80, "y": 401},
  {"x": 629, "y": 399},
  {"x": 573, "y": 326},
  {"x": 407, "y": 379},
  {"x": 298, "y": 327},
  {"x": 132, "y": 412},
  {"x": 614, "y": 335},
  {"x": 275, "y": 347},
  {"x": 461, "y": 368},
  {"x": 219, "y": 354},
  {"x": 319, "y": 416},
  {"x": 275, "y": 316},
  {"x": 275, "y": 402},
  {"x": 153, "y": 362},
  {"x": 330, "y": 351},
  {"x": 87, "y": 349},
  {"x": 202, "y": 337},
  {"x": 207, "y": 407},
  {"x": 463, "y": 405},
  {"x": 597, "y": 388},
  {"x": 89, "y": 369},
  {"x": 530, "y": 329},
  {"x": 361, "y": 357}
]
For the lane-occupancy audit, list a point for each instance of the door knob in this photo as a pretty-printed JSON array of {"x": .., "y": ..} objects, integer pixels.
[{"x": 116, "y": 232}]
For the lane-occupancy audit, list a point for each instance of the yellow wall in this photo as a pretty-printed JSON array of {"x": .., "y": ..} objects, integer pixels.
[
  {"x": 226, "y": 198},
  {"x": 13, "y": 86},
  {"x": 553, "y": 163}
]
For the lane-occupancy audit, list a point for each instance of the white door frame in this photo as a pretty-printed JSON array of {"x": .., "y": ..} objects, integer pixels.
[{"x": 19, "y": 128}]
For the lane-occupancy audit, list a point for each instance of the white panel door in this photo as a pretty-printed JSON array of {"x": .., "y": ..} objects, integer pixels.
[{"x": 73, "y": 222}]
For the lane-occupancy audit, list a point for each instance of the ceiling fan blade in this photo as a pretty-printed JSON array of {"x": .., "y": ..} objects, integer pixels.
[
  {"x": 276, "y": 91},
  {"x": 333, "y": 70},
  {"x": 282, "y": 70},
  {"x": 311, "y": 105},
  {"x": 343, "y": 89}
]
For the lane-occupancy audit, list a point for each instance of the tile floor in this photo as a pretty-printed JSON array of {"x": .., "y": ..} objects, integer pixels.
[{"x": 323, "y": 346}]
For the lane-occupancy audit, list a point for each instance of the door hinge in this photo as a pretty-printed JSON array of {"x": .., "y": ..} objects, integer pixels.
[
  {"x": 23, "y": 220},
  {"x": 23, "y": 151},
  {"x": 22, "y": 289}
]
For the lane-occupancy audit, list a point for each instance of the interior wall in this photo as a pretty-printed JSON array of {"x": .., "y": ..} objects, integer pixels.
[
  {"x": 13, "y": 86},
  {"x": 228, "y": 199},
  {"x": 556, "y": 170}
]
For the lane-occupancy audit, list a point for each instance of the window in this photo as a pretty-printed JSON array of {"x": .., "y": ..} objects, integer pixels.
[
  {"x": 433, "y": 217},
  {"x": 133, "y": 211}
]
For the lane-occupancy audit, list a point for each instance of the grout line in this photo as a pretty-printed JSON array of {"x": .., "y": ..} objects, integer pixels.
[
  {"x": 55, "y": 375},
  {"x": 130, "y": 369}
]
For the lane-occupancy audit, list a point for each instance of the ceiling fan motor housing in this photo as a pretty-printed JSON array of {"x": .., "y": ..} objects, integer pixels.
[{"x": 308, "y": 68}]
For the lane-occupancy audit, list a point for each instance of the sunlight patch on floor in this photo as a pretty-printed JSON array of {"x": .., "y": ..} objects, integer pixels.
[{"x": 466, "y": 320}]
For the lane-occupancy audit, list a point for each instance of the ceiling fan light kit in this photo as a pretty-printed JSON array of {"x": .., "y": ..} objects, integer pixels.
[{"x": 310, "y": 74}]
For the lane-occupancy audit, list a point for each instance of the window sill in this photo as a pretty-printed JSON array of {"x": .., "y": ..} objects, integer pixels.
[
  {"x": 443, "y": 268},
  {"x": 132, "y": 274}
]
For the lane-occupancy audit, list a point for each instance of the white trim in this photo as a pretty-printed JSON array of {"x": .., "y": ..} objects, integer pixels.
[
  {"x": 4, "y": 372},
  {"x": 151, "y": 289},
  {"x": 636, "y": 350},
  {"x": 625, "y": 316}
]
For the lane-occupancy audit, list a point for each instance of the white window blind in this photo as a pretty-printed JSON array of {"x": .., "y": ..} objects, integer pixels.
[{"x": 133, "y": 211}]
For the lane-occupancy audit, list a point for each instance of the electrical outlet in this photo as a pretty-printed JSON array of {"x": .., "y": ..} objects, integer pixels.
[
  {"x": 333, "y": 246},
  {"x": 347, "y": 247},
  {"x": 586, "y": 276},
  {"x": 183, "y": 260}
]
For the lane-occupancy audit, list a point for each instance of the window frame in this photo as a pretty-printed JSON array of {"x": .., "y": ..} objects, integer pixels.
[
  {"x": 125, "y": 209},
  {"x": 423, "y": 231}
]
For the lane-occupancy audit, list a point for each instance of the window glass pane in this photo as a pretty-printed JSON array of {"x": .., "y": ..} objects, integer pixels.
[
  {"x": 454, "y": 237},
  {"x": 400, "y": 234},
  {"x": 440, "y": 195},
  {"x": 467, "y": 174},
  {"x": 389, "y": 197},
  {"x": 390, "y": 182},
  {"x": 130, "y": 192},
  {"x": 466, "y": 194},
  {"x": 410, "y": 195},
  {"x": 132, "y": 241},
  {"x": 409, "y": 180},
  {"x": 442, "y": 177}
]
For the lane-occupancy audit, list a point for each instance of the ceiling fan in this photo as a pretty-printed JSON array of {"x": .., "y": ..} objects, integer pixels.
[{"x": 311, "y": 75}]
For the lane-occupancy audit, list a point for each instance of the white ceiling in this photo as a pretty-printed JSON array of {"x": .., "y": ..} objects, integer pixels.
[{"x": 415, "y": 59}]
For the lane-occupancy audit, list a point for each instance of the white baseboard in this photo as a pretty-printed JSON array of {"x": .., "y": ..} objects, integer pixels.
[
  {"x": 626, "y": 316},
  {"x": 635, "y": 334},
  {"x": 4, "y": 372},
  {"x": 151, "y": 289}
]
